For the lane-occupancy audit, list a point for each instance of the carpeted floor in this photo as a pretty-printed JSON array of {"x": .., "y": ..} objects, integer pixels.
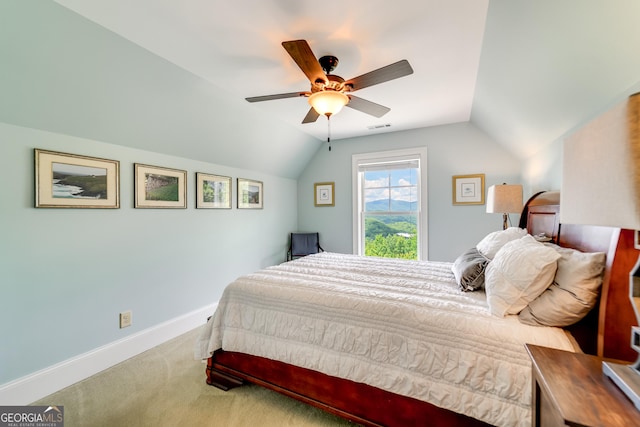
[{"x": 165, "y": 386}]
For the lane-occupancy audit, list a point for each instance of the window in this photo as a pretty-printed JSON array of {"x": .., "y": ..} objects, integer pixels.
[{"x": 389, "y": 206}]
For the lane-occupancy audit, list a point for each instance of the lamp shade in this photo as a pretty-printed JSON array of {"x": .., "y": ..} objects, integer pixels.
[
  {"x": 328, "y": 102},
  {"x": 504, "y": 199},
  {"x": 601, "y": 170}
]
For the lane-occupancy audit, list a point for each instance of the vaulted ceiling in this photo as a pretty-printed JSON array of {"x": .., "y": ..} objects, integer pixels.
[
  {"x": 237, "y": 46},
  {"x": 524, "y": 72}
]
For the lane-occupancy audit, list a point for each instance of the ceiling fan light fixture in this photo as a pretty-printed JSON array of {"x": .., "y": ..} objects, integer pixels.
[{"x": 328, "y": 102}]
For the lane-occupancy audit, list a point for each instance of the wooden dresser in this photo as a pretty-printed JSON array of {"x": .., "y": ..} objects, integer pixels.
[{"x": 569, "y": 389}]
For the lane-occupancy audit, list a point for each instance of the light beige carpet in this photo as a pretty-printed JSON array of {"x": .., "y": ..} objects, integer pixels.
[{"x": 165, "y": 386}]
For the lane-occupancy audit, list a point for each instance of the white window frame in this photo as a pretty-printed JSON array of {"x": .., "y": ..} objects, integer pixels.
[{"x": 417, "y": 153}]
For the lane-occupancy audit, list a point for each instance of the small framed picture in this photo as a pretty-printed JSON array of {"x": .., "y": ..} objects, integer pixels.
[
  {"x": 158, "y": 187},
  {"x": 71, "y": 181},
  {"x": 213, "y": 191},
  {"x": 468, "y": 189},
  {"x": 249, "y": 194},
  {"x": 324, "y": 194}
]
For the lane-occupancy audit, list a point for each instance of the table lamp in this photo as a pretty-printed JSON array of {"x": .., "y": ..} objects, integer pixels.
[{"x": 504, "y": 199}]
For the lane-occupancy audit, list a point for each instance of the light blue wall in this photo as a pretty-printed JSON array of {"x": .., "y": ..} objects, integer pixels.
[
  {"x": 543, "y": 170},
  {"x": 457, "y": 149},
  {"x": 66, "y": 273}
]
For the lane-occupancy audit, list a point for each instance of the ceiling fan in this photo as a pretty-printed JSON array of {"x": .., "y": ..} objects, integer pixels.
[{"x": 328, "y": 92}]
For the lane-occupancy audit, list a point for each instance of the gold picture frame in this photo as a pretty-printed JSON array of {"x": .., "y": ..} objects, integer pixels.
[
  {"x": 324, "y": 194},
  {"x": 159, "y": 187},
  {"x": 468, "y": 189},
  {"x": 64, "y": 180}
]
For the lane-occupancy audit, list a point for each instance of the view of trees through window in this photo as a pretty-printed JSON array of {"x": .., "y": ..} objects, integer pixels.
[{"x": 391, "y": 212}]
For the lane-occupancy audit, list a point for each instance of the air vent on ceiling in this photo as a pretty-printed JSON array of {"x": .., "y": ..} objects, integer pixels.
[{"x": 374, "y": 127}]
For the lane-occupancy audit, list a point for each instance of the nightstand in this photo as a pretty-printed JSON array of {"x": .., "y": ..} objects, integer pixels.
[{"x": 569, "y": 389}]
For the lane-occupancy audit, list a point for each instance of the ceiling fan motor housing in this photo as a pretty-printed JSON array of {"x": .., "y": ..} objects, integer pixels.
[
  {"x": 333, "y": 82},
  {"x": 328, "y": 63}
]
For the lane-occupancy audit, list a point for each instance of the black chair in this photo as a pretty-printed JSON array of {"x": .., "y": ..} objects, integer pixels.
[{"x": 303, "y": 244}]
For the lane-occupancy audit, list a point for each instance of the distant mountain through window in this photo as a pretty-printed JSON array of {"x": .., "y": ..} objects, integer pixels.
[{"x": 396, "y": 205}]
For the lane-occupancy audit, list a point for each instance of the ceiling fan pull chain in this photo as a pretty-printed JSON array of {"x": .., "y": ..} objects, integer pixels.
[{"x": 329, "y": 131}]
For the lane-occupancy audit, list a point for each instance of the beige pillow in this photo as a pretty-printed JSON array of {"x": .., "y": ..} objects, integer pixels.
[
  {"x": 574, "y": 291},
  {"x": 492, "y": 242},
  {"x": 521, "y": 270}
]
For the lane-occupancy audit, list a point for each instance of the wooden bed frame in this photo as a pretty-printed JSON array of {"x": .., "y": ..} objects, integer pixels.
[{"x": 605, "y": 332}]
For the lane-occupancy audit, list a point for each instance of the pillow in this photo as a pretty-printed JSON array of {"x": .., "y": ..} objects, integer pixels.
[
  {"x": 492, "y": 243},
  {"x": 573, "y": 293},
  {"x": 469, "y": 270},
  {"x": 518, "y": 274}
]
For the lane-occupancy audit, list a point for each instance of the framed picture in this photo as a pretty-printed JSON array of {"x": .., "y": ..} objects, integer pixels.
[
  {"x": 324, "y": 192},
  {"x": 468, "y": 189},
  {"x": 157, "y": 187},
  {"x": 213, "y": 191},
  {"x": 71, "y": 181},
  {"x": 249, "y": 194}
]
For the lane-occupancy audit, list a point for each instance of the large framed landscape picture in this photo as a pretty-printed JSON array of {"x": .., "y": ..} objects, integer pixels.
[
  {"x": 158, "y": 187},
  {"x": 213, "y": 191},
  {"x": 66, "y": 180},
  {"x": 249, "y": 194}
]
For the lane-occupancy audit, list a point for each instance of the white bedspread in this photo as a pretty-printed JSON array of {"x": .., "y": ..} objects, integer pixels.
[{"x": 398, "y": 325}]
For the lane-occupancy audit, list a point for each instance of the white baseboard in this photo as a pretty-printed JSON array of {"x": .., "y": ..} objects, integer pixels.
[{"x": 37, "y": 385}]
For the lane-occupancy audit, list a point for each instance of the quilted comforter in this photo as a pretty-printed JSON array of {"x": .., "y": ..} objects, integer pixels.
[{"x": 402, "y": 326}]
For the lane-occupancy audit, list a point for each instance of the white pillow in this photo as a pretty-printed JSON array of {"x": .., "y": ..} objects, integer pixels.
[
  {"x": 521, "y": 270},
  {"x": 574, "y": 291},
  {"x": 492, "y": 243}
]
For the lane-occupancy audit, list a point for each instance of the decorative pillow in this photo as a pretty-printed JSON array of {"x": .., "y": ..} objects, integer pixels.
[
  {"x": 469, "y": 270},
  {"x": 518, "y": 274},
  {"x": 492, "y": 243},
  {"x": 573, "y": 293}
]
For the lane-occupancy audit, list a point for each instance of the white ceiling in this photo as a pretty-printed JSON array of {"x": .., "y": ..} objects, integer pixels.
[
  {"x": 525, "y": 72},
  {"x": 237, "y": 46}
]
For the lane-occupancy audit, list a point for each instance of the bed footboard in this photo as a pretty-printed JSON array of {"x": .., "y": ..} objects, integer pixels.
[{"x": 358, "y": 402}]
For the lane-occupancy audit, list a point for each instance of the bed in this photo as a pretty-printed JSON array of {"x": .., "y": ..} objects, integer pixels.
[{"x": 389, "y": 342}]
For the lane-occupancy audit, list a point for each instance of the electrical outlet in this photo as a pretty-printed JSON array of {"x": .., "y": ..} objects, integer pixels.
[{"x": 125, "y": 319}]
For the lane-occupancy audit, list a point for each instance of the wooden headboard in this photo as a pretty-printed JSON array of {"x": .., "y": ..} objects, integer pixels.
[
  {"x": 541, "y": 215},
  {"x": 606, "y": 330}
]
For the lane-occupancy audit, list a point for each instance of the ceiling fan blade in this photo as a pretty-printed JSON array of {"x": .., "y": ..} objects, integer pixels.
[
  {"x": 277, "y": 96},
  {"x": 367, "y": 107},
  {"x": 311, "y": 116},
  {"x": 306, "y": 60},
  {"x": 381, "y": 75}
]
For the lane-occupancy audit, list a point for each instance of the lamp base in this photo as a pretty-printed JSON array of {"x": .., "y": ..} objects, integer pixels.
[{"x": 627, "y": 378}]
